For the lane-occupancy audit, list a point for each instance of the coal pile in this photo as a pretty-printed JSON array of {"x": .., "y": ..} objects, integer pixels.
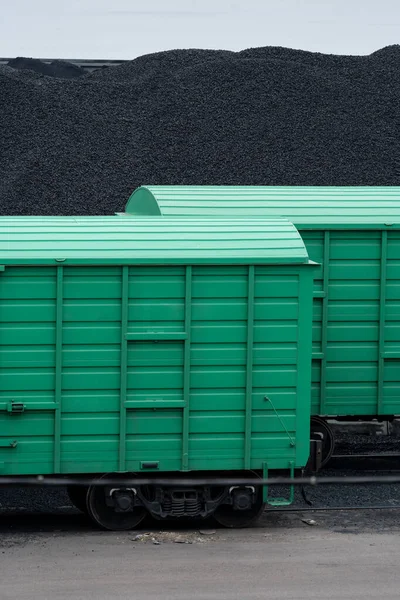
[{"x": 271, "y": 116}]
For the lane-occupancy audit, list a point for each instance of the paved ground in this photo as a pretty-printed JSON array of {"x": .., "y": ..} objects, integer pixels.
[
  {"x": 50, "y": 551},
  {"x": 344, "y": 555}
]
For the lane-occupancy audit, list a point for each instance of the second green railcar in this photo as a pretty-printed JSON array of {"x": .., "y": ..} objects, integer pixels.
[{"x": 354, "y": 235}]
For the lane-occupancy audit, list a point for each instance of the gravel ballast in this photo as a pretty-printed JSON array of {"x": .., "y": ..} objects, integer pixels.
[{"x": 270, "y": 116}]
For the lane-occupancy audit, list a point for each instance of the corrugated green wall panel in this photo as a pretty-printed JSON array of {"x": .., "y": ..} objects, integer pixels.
[
  {"x": 362, "y": 323},
  {"x": 186, "y": 391}
]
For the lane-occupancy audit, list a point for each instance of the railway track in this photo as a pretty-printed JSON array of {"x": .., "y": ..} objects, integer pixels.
[
  {"x": 382, "y": 462},
  {"x": 295, "y": 509}
]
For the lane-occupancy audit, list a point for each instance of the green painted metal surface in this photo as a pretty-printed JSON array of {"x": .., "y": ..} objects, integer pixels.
[
  {"x": 106, "y": 367},
  {"x": 356, "y": 322},
  {"x": 309, "y": 207},
  {"x": 111, "y": 240},
  {"x": 352, "y": 232}
]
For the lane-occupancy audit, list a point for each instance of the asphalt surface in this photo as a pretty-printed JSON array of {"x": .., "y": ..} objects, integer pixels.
[{"x": 341, "y": 556}]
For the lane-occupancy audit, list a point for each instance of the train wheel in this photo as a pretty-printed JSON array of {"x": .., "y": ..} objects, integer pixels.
[
  {"x": 77, "y": 495},
  {"x": 227, "y": 516},
  {"x": 112, "y": 508},
  {"x": 320, "y": 426}
]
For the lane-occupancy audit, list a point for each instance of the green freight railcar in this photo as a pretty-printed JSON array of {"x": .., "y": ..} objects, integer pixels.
[
  {"x": 155, "y": 346},
  {"x": 353, "y": 233}
]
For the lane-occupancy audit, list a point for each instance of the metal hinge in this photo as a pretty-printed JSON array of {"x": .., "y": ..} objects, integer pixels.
[{"x": 15, "y": 408}]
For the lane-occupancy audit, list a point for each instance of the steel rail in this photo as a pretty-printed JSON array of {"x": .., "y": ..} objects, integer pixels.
[
  {"x": 330, "y": 508},
  {"x": 383, "y": 463},
  {"x": 381, "y": 455}
]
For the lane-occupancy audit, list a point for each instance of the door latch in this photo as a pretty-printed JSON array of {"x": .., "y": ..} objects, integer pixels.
[{"x": 15, "y": 408}]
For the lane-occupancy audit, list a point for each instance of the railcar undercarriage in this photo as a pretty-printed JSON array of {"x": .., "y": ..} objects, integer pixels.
[{"x": 123, "y": 507}]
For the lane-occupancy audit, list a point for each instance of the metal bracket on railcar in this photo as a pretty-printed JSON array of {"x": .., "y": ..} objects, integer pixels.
[
  {"x": 9, "y": 444},
  {"x": 278, "y": 501},
  {"x": 15, "y": 408},
  {"x": 315, "y": 460}
]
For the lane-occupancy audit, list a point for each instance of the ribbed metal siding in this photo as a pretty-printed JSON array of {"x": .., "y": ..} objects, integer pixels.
[
  {"x": 151, "y": 240},
  {"x": 356, "y": 332},
  {"x": 77, "y": 348},
  {"x": 304, "y": 206}
]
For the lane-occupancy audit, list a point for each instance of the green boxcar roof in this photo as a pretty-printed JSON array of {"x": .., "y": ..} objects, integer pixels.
[
  {"x": 104, "y": 240},
  {"x": 305, "y": 206}
]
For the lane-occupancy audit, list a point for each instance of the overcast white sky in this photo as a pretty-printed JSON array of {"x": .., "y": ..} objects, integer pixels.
[{"x": 128, "y": 28}]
